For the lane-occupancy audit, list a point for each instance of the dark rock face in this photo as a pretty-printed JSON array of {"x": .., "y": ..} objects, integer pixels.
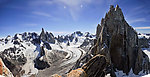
[
  {"x": 13, "y": 62},
  {"x": 49, "y": 37},
  {"x": 43, "y": 35},
  {"x": 78, "y": 33},
  {"x": 46, "y": 58},
  {"x": 143, "y": 42},
  {"x": 98, "y": 31},
  {"x": 47, "y": 45},
  {"x": 95, "y": 66},
  {"x": 121, "y": 40},
  {"x": 119, "y": 43},
  {"x": 40, "y": 64}
]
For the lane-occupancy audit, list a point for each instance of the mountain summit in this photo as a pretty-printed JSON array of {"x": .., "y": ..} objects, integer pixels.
[
  {"x": 117, "y": 41},
  {"x": 121, "y": 41}
]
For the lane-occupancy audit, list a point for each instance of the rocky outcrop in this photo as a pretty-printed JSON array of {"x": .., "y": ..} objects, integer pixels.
[
  {"x": 77, "y": 73},
  {"x": 144, "y": 42},
  {"x": 13, "y": 62},
  {"x": 121, "y": 41},
  {"x": 98, "y": 31},
  {"x": 47, "y": 57},
  {"x": 56, "y": 75},
  {"x": 41, "y": 62},
  {"x": 4, "y": 71},
  {"x": 118, "y": 42},
  {"x": 49, "y": 37},
  {"x": 95, "y": 67}
]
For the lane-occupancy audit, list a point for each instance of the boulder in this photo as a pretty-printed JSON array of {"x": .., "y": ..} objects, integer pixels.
[{"x": 77, "y": 73}]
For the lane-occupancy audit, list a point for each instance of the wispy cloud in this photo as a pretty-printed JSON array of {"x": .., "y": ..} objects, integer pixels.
[
  {"x": 142, "y": 27},
  {"x": 41, "y": 13},
  {"x": 137, "y": 20},
  {"x": 31, "y": 24},
  {"x": 59, "y": 32},
  {"x": 73, "y": 6}
]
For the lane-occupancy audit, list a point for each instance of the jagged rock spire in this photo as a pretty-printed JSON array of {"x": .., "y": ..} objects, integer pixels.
[
  {"x": 121, "y": 40},
  {"x": 42, "y": 35}
]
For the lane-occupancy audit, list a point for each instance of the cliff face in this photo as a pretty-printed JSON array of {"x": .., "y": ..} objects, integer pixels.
[
  {"x": 118, "y": 42},
  {"x": 121, "y": 41}
]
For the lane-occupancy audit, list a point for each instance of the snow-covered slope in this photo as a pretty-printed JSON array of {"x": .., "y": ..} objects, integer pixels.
[
  {"x": 144, "y": 36},
  {"x": 23, "y": 49}
]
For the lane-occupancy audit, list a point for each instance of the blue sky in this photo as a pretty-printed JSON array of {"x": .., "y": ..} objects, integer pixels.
[{"x": 67, "y": 16}]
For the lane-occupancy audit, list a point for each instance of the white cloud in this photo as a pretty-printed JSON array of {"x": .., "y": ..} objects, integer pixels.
[
  {"x": 41, "y": 14},
  {"x": 137, "y": 20},
  {"x": 142, "y": 27}
]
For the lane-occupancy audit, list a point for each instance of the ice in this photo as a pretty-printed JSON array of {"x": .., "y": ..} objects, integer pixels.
[
  {"x": 147, "y": 51},
  {"x": 146, "y": 75},
  {"x": 142, "y": 36}
]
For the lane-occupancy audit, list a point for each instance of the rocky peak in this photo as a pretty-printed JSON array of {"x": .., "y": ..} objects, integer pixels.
[
  {"x": 42, "y": 35},
  {"x": 49, "y": 37},
  {"x": 118, "y": 42},
  {"x": 121, "y": 40},
  {"x": 78, "y": 33},
  {"x": 115, "y": 13}
]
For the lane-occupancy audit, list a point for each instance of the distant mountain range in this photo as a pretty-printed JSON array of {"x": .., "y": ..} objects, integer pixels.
[{"x": 116, "y": 50}]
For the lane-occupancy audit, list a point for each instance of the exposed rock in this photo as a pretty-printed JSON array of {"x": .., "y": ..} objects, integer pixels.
[
  {"x": 68, "y": 44},
  {"x": 4, "y": 71},
  {"x": 98, "y": 31},
  {"x": 77, "y": 73},
  {"x": 95, "y": 66},
  {"x": 143, "y": 42},
  {"x": 87, "y": 34},
  {"x": 13, "y": 62},
  {"x": 43, "y": 35},
  {"x": 119, "y": 43},
  {"x": 41, "y": 62},
  {"x": 78, "y": 33},
  {"x": 47, "y": 37},
  {"x": 121, "y": 40},
  {"x": 47, "y": 46},
  {"x": 55, "y": 75},
  {"x": 48, "y": 57},
  {"x": 50, "y": 37}
]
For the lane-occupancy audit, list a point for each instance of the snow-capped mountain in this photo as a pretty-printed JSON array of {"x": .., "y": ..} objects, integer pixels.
[
  {"x": 116, "y": 50},
  {"x": 27, "y": 53}
]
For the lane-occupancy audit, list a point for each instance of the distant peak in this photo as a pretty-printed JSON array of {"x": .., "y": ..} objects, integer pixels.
[
  {"x": 114, "y": 13},
  {"x": 111, "y": 7},
  {"x": 42, "y": 29},
  {"x": 117, "y": 6}
]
